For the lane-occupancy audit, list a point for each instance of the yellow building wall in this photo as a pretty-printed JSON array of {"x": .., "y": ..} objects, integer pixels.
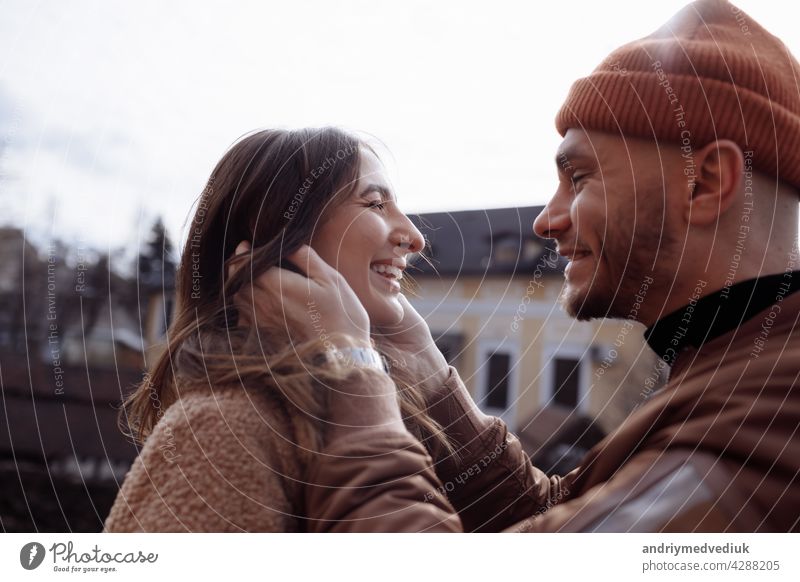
[{"x": 525, "y": 315}]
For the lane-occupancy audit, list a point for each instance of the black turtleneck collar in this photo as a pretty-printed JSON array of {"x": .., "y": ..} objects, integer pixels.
[{"x": 713, "y": 315}]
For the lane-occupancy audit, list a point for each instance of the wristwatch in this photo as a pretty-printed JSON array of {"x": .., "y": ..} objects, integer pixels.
[{"x": 362, "y": 358}]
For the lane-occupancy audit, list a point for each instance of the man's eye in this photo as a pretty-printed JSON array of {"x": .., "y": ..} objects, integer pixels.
[{"x": 577, "y": 178}]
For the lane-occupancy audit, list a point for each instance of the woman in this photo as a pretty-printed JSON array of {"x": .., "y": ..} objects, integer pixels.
[{"x": 237, "y": 407}]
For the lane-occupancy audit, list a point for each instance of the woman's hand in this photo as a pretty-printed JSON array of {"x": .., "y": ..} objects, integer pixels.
[
  {"x": 410, "y": 344},
  {"x": 313, "y": 306}
]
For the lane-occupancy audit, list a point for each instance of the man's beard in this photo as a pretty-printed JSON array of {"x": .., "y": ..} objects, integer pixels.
[{"x": 625, "y": 264}]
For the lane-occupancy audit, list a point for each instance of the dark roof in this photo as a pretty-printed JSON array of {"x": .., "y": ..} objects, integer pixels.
[{"x": 498, "y": 241}]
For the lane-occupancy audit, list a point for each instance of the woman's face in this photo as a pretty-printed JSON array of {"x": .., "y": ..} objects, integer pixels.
[{"x": 367, "y": 239}]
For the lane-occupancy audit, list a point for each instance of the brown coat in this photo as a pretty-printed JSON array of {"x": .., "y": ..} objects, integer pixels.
[
  {"x": 227, "y": 460},
  {"x": 716, "y": 449},
  {"x": 217, "y": 461}
]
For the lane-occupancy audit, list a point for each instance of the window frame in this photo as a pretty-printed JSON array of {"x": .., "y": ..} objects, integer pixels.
[
  {"x": 582, "y": 353},
  {"x": 487, "y": 348}
]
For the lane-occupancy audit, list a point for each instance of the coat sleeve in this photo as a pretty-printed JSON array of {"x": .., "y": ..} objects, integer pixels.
[
  {"x": 655, "y": 491},
  {"x": 377, "y": 480},
  {"x": 384, "y": 480},
  {"x": 490, "y": 481},
  {"x": 205, "y": 468}
]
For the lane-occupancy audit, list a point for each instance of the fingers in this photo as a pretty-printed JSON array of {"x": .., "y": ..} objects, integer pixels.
[
  {"x": 311, "y": 264},
  {"x": 242, "y": 248}
]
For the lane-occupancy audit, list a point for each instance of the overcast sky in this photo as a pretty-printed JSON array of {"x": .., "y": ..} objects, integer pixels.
[{"x": 113, "y": 113}]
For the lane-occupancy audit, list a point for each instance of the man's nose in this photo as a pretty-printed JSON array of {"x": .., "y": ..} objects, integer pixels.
[{"x": 554, "y": 219}]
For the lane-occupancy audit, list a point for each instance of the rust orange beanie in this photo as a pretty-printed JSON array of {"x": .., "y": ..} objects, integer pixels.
[{"x": 711, "y": 72}]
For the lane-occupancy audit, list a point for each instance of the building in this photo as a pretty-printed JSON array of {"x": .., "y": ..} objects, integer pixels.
[
  {"x": 490, "y": 295},
  {"x": 72, "y": 345}
]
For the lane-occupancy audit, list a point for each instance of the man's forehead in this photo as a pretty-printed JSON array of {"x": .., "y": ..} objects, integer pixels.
[
  {"x": 576, "y": 144},
  {"x": 579, "y": 144}
]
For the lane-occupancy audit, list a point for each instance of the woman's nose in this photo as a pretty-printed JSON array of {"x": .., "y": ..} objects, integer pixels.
[{"x": 407, "y": 237}]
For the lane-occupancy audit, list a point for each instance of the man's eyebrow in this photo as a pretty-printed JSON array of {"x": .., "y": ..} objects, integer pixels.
[{"x": 572, "y": 154}]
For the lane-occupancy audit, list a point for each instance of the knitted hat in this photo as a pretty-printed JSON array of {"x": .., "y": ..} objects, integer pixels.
[{"x": 711, "y": 72}]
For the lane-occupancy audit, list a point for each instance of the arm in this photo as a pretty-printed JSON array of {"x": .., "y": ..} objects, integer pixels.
[
  {"x": 491, "y": 483},
  {"x": 373, "y": 475},
  {"x": 655, "y": 491},
  {"x": 377, "y": 481},
  {"x": 377, "y": 477}
]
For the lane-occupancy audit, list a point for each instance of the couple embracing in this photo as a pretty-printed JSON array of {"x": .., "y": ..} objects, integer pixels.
[{"x": 300, "y": 390}]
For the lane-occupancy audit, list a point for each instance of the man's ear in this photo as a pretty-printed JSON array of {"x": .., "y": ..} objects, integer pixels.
[
  {"x": 241, "y": 248},
  {"x": 718, "y": 175}
]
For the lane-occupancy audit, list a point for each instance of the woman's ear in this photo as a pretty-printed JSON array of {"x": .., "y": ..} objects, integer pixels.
[{"x": 242, "y": 248}]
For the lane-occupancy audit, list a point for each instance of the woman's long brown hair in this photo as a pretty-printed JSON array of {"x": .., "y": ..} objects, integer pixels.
[{"x": 272, "y": 188}]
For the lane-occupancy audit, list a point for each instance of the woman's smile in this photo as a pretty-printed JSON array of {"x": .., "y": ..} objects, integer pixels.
[{"x": 386, "y": 277}]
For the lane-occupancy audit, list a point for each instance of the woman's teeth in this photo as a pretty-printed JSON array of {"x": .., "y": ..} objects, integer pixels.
[{"x": 387, "y": 270}]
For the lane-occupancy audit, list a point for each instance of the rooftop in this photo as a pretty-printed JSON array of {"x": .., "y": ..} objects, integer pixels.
[{"x": 498, "y": 241}]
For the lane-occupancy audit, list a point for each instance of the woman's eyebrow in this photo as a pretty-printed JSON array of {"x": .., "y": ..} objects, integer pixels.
[{"x": 385, "y": 193}]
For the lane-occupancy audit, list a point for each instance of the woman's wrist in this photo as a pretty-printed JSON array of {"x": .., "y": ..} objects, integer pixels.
[
  {"x": 365, "y": 399},
  {"x": 344, "y": 340},
  {"x": 345, "y": 351},
  {"x": 361, "y": 357}
]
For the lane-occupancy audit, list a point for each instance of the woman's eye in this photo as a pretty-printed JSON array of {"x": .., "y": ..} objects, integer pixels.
[{"x": 379, "y": 204}]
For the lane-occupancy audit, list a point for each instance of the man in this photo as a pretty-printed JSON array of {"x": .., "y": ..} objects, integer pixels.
[{"x": 677, "y": 206}]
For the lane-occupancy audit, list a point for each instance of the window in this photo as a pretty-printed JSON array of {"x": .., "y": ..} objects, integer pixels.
[
  {"x": 505, "y": 248},
  {"x": 566, "y": 377},
  {"x": 496, "y": 393},
  {"x": 164, "y": 312},
  {"x": 499, "y": 367},
  {"x": 169, "y": 311},
  {"x": 509, "y": 249},
  {"x": 566, "y": 382}
]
